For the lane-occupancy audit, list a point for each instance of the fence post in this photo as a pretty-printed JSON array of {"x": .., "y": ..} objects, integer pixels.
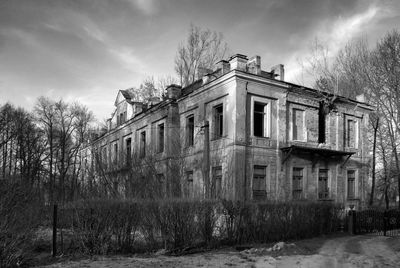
[
  {"x": 352, "y": 222},
  {"x": 54, "y": 230}
]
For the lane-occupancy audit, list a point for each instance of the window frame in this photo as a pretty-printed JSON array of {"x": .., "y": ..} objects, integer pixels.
[
  {"x": 267, "y": 103},
  {"x": 160, "y": 139},
  {"x": 299, "y": 190},
  {"x": 355, "y": 182},
  {"x": 217, "y": 181},
  {"x": 347, "y": 132},
  {"x": 322, "y": 195},
  {"x": 189, "y": 131},
  {"x": 142, "y": 143},
  {"x": 259, "y": 193},
  {"x": 128, "y": 153},
  {"x": 218, "y": 121}
]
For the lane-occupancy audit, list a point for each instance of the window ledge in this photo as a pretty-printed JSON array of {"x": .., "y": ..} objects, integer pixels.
[
  {"x": 218, "y": 138},
  {"x": 326, "y": 199}
]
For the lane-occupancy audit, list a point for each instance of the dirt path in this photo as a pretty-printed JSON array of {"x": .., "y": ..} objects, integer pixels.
[{"x": 351, "y": 251}]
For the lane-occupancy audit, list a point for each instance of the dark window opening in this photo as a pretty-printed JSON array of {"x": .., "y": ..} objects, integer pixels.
[
  {"x": 258, "y": 124},
  {"x": 297, "y": 183},
  {"x": 115, "y": 153},
  {"x": 161, "y": 138},
  {"x": 321, "y": 123},
  {"x": 190, "y": 130},
  {"x": 219, "y": 121},
  {"x": 143, "y": 144},
  {"x": 323, "y": 189},
  {"x": 128, "y": 149}
]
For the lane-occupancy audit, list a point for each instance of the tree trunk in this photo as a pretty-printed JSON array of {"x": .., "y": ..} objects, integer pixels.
[{"x": 371, "y": 200}]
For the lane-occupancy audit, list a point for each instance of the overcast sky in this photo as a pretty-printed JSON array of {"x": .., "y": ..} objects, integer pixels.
[{"x": 87, "y": 50}]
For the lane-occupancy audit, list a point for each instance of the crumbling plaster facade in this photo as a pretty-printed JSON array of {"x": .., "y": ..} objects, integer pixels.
[{"x": 267, "y": 139}]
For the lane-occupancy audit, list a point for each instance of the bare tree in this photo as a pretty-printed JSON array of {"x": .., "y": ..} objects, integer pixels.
[{"x": 203, "y": 48}]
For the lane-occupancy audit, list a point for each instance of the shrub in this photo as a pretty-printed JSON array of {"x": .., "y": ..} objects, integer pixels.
[
  {"x": 20, "y": 214},
  {"x": 104, "y": 226}
]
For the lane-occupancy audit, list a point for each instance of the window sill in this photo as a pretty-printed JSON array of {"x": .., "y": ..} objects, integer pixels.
[
  {"x": 218, "y": 138},
  {"x": 259, "y": 137}
]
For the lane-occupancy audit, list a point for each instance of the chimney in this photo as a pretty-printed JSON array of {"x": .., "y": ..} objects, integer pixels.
[
  {"x": 173, "y": 91},
  {"x": 254, "y": 65},
  {"x": 224, "y": 66},
  {"x": 278, "y": 70},
  {"x": 238, "y": 62},
  {"x": 202, "y": 71}
]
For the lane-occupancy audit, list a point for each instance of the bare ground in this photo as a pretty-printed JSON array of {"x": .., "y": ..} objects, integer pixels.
[{"x": 348, "y": 251}]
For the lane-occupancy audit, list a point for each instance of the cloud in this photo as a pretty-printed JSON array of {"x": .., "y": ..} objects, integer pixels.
[
  {"x": 333, "y": 35},
  {"x": 148, "y": 7}
]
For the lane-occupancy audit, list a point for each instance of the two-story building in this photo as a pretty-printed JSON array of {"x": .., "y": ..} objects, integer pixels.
[{"x": 243, "y": 133}]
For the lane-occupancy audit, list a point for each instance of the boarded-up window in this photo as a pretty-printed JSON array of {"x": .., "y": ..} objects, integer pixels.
[
  {"x": 259, "y": 183},
  {"x": 160, "y": 143},
  {"x": 190, "y": 130},
  {"x": 143, "y": 144},
  {"x": 218, "y": 121},
  {"x": 323, "y": 189},
  {"x": 189, "y": 184},
  {"x": 351, "y": 184},
  {"x": 298, "y": 124},
  {"x": 217, "y": 182},
  {"x": 297, "y": 183},
  {"x": 351, "y": 133}
]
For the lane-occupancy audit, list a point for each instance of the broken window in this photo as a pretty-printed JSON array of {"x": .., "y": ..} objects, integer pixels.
[
  {"x": 142, "y": 144},
  {"x": 323, "y": 189},
  {"x": 321, "y": 123},
  {"x": 297, "y": 183},
  {"x": 217, "y": 182},
  {"x": 189, "y": 184},
  {"x": 298, "y": 124},
  {"x": 351, "y": 184},
  {"x": 260, "y": 120},
  {"x": 351, "y": 133},
  {"x": 190, "y": 130},
  {"x": 160, "y": 143},
  {"x": 128, "y": 143},
  {"x": 259, "y": 177},
  {"x": 218, "y": 121}
]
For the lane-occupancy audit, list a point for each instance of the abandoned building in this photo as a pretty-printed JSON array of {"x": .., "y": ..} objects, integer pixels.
[{"x": 240, "y": 132}]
